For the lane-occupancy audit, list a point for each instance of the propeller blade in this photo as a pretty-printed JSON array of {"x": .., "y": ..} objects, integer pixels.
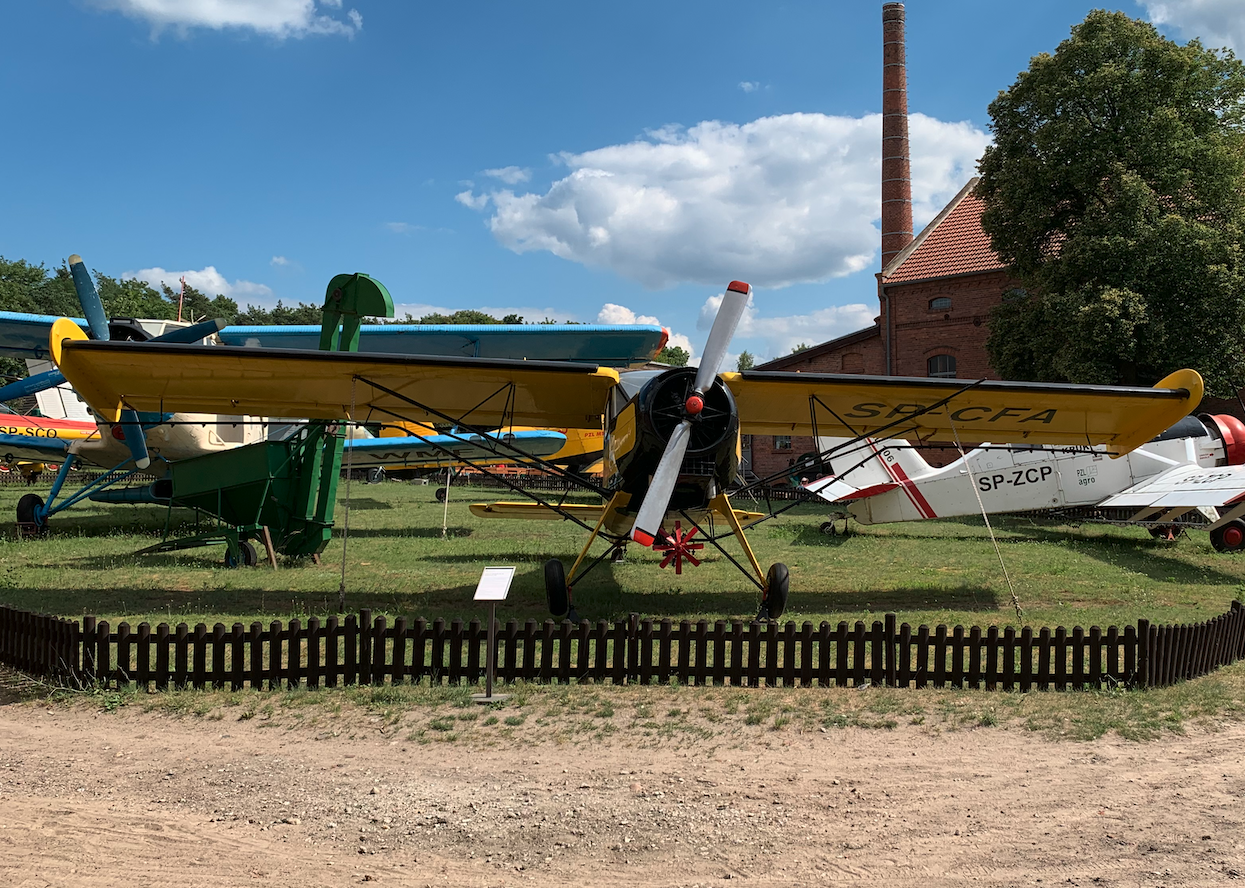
[
  {"x": 192, "y": 333},
  {"x": 31, "y": 384},
  {"x": 653, "y": 509},
  {"x": 730, "y": 311},
  {"x": 92, "y": 307}
]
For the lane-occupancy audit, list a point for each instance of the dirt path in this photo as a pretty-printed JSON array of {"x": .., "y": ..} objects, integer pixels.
[{"x": 100, "y": 799}]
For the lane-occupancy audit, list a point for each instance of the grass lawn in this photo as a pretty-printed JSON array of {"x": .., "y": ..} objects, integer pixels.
[{"x": 397, "y": 563}]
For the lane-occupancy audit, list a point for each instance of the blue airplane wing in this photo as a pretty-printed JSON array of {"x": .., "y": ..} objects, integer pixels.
[
  {"x": 26, "y": 335},
  {"x": 417, "y": 452},
  {"x": 28, "y": 447},
  {"x": 624, "y": 345}
]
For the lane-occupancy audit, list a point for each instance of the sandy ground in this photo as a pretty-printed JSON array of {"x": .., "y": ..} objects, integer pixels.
[{"x": 94, "y": 798}]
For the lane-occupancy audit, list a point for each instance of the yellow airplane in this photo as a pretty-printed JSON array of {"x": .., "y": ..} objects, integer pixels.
[{"x": 671, "y": 437}]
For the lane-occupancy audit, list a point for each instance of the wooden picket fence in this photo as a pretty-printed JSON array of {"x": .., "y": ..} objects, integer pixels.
[{"x": 363, "y": 650}]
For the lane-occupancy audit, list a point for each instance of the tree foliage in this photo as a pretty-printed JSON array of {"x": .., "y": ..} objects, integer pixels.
[
  {"x": 1115, "y": 190},
  {"x": 673, "y": 355},
  {"x": 746, "y": 361}
]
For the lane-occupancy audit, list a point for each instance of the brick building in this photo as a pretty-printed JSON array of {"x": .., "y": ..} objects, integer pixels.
[{"x": 935, "y": 291}]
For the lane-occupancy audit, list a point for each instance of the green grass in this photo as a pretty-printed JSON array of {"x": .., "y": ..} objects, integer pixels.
[{"x": 398, "y": 563}]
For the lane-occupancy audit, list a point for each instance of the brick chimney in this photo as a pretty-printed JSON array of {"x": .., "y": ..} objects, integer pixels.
[{"x": 896, "y": 175}]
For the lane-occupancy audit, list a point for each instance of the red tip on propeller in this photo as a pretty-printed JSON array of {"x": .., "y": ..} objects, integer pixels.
[{"x": 694, "y": 404}]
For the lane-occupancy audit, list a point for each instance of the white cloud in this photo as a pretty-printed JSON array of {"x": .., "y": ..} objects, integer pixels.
[
  {"x": 207, "y": 281},
  {"x": 467, "y": 199},
  {"x": 778, "y": 201},
  {"x": 749, "y": 85},
  {"x": 782, "y": 333},
  {"x": 1216, "y": 23},
  {"x": 279, "y": 260},
  {"x": 275, "y": 18},
  {"x": 511, "y": 175},
  {"x": 612, "y": 313}
]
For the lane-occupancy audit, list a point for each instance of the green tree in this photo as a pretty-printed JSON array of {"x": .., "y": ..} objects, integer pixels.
[
  {"x": 803, "y": 346},
  {"x": 745, "y": 362},
  {"x": 674, "y": 356},
  {"x": 1115, "y": 190}
]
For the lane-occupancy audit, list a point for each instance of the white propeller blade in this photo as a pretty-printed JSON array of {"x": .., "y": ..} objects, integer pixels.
[
  {"x": 730, "y": 311},
  {"x": 653, "y": 509},
  {"x": 657, "y": 499}
]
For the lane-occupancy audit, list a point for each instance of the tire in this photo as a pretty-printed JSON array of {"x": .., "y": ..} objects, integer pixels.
[
  {"x": 376, "y": 475},
  {"x": 1229, "y": 538},
  {"x": 827, "y": 527},
  {"x": 556, "y": 591},
  {"x": 441, "y": 494},
  {"x": 30, "y": 513},
  {"x": 777, "y": 584},
  {"x": 250, "y": 555}
]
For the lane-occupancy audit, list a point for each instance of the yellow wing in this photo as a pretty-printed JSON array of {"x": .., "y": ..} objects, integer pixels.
[
  {"x": 160, "y": 378},
  {"x": 781, "y": 403}
]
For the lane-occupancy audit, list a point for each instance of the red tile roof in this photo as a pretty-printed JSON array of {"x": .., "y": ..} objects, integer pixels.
[{"x": 950, "y": 245}]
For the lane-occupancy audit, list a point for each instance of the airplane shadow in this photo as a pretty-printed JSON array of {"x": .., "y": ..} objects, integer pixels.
[{"x": 368, "y": 504}]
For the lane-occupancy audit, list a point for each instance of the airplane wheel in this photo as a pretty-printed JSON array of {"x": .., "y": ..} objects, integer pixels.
[
  {"x": 30, "y": 513},
  {"x": 1229, "y": 538},
  {"x": 777, "y": 584},
  {"x": 556, "y": 591},
  {"x": 250, "y": 555},
  {"x": 441, "y": 494},
  {"x": 376, "y": 475},
  {"x": 827, "y": 527}
]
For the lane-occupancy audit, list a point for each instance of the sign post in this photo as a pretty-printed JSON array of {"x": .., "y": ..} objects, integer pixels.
[{"x": 493, "y": 587}]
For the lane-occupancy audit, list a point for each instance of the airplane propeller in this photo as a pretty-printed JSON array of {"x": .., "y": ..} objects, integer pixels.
[{"x": 657, "y": 499}]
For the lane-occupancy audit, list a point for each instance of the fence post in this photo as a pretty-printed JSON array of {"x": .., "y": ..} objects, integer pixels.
[
  {"x": 88, "y": 650},
  {"x": 888, "y": 650},
  {"x": 1142, "y": 675}
]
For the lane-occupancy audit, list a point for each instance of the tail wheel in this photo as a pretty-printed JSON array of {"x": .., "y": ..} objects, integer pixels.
[
  {"x": 250, "y": 555},
  {"x": 556, "y": 590},
  {"x": 827, "y": 527},
  {"x": 30, "y": 515},
  {"x": 777, "y": 584},
  {"x": 1229, "y": 538},
  {"x": 442, "y": 493}
]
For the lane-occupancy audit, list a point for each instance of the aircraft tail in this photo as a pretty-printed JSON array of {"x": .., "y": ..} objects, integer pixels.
[{"x": 866, "y": 468}]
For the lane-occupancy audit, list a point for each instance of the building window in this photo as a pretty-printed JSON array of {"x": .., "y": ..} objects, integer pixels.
[
  {"x": 940, "y": 303},
  {"x": 782, "y": 442},
  {"x": 941, "y": 366}
]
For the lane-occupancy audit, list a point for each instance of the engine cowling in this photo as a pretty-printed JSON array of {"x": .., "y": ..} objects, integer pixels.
[{"x": 1231, "y": 433}]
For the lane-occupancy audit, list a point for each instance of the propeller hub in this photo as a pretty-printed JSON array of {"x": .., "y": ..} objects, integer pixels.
[{"x": 694, "y": 405}]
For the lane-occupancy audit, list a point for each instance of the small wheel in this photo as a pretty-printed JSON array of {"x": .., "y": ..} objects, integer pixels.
[
  {"x": 1229, "y": 538},
  {"x": 777, "y": 584},
  {"x": 441, "y": 494},
  {"x": 827, "y": 527},
  {"x": 30, "y": 514},
  {"x": 558, "y": 595},
  {"x": 250, "y": 556},
  {"x": 376, "y": 475}
]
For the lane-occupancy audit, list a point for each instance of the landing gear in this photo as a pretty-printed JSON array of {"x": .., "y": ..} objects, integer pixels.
[
  {"x": 31, "y": 517},
  {"x": 1168, "y": 532},
  {"x": 442, "y": 493},
  {"x": 827, "y": 527},
  {"x": 1229, "y": 538},
  {"x": 777, "y": 584},
  {"x": 556, "y": 591},
  {"x": 249, "y": 555}
]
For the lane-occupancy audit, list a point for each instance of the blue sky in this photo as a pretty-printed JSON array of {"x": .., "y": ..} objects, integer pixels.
[{"x": 572, "y": 160}]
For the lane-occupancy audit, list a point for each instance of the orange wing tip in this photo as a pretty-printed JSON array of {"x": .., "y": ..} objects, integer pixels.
[{"x": 641, "y": 537}]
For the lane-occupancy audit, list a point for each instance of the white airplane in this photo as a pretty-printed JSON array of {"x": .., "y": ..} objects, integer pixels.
[{"x": 1192, "y": 475}]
